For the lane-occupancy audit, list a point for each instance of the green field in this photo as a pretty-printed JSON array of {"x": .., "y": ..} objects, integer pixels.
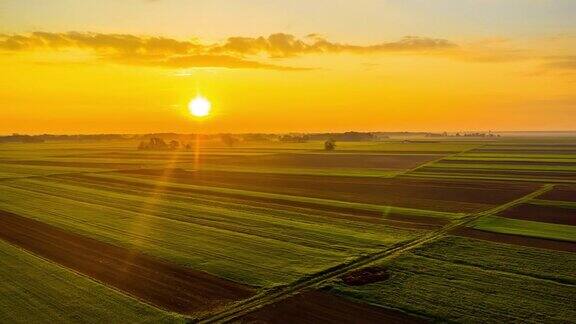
[
  {"x": 269, "y": 217},
  {"x": 471, "y": 281},
  {"x": 526, "y": 228},
  {"x": 33, "y": 290}
]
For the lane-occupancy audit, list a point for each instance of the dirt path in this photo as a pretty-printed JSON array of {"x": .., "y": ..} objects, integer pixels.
[{"x": 249, "y": 305}]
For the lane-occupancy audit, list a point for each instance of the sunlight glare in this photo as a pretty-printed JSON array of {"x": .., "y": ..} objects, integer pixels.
[{"x": 200, "y": 106}]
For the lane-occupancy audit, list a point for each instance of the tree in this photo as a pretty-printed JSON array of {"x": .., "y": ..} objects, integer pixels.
[
  {"x": 228, "y": 140},
  {"x": 329, "y": 145},
  {"x": 174, "y": 145}
]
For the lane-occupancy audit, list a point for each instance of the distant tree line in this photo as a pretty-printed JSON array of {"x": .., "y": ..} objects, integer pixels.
[
  {"x": 463, "y": 134},
  {"x": 158, "y": 144},
  {"x": 18, "y": 138}
]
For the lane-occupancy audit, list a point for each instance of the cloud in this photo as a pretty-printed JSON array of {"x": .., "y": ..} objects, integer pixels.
[
  {"x": 286, "y": 45},
  {"x": 123, "y": 43},
  {"x": 235, "y": 52},
  {"x": 562, "y": 63},
  {"x": 198, "y": 61},
  {"x": 134, "y": 50}
]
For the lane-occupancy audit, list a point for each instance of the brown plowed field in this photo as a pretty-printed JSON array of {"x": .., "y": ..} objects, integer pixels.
[
  {"x": 321, "y": 307},
  {"x": 516, "y": 239},
  {"x": 433, "y": 194},
  {"x": 563, "y": 193},
  {"x": 322, "y": 161},
  {"x": 539, "y": 213},
  {"x": 509, "y": 162},
  {"x": 561, "y": 175},
  {"x": 523, "y": 150},
  {"x": 155, "y": 281}
]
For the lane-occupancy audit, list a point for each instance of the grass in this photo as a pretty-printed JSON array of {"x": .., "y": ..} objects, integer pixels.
[
  {"x": 526, "y": 228},
  {"x": 258, "y": 246},
  {"x": 33, "y": 290},
  {"x": 267, "y": 240},
  {"x": 17, "y": 171},
  {"x": 538, "y": 263},
  {"x": 463, "y": 280}
]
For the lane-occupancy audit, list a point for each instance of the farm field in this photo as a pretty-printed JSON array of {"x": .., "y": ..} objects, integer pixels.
[
  {"x": 466, "y": 280},
  {"x": 519, "y": 162},
  {"x": 261, "y": 232},
  {"x": 36, "y": 291}
]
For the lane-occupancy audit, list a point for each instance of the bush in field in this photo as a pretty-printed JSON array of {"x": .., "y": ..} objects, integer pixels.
[
  {"x": 365, "y": 276},
  {"x": 329, "y": 145}
]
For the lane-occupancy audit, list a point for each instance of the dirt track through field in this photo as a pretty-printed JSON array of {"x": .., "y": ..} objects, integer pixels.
[
  {"x": 155, "y": 281},
  {"x": 260, "y": 300}
]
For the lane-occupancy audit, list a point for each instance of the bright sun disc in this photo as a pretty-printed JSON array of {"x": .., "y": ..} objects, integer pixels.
[{"x": 199, "y": 107}]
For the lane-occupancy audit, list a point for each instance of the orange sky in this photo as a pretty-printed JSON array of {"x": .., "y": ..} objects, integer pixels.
[{"x": 266, "y": 68}]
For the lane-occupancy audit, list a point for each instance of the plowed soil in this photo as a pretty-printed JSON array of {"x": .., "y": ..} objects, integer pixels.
[
  {"x": 538, "y": 213},
  {"x": 152, "y": 280},
  {"x": 321, "y": 307},
  {"x": 322, "y": 161},
  {"x": 516, "y": 239},
  {"x": 563, "y": 193}
]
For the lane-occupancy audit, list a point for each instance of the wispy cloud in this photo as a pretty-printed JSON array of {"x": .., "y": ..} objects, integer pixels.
[
  {"x": 562, "y": 63},
  {"x": 235, "y": 52},
  {"x": 286, "y": 45}
]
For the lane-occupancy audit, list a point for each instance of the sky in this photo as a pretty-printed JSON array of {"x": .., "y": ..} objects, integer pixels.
[{"x": 132, "y": 66}]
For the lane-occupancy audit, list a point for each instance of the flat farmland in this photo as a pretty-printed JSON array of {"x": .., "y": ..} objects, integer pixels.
[
  {"x": 438, "y": 195},
  {"x": 163, "y": 284},
  {"x": 322, "y": 307},
  {"x": 521, "y": 227},
  {"x": 36, "y": 291},
  {"x": 261, "y": 227},
  {"x": 542, "y": 212},
  {"x": 517, "y": 162},
  {"x": 561, "y": 193},
  {"x": 199, "y": 230},
  {"x": 465, "y": 280}
]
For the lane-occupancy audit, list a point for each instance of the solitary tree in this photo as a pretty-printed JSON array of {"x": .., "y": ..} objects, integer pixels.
[{"x": 329, "y": 145}]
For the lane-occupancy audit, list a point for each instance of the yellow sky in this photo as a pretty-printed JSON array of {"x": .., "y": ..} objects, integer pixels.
[{"x": 101, "y": 80}]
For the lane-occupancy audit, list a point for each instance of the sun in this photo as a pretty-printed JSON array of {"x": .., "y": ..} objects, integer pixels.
[{"x": 200, "y": 106}]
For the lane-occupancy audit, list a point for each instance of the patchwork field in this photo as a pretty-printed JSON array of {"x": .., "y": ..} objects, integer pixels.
[
  {"x": 520, "y": 162},
  {"x": 267, "y": 232},
  {"x": 33, "y": 290}
]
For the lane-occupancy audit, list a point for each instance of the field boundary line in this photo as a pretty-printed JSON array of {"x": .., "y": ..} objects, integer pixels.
[
  {"x": 407, "y": 172},
  {"x": 271, "y": 296}
]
